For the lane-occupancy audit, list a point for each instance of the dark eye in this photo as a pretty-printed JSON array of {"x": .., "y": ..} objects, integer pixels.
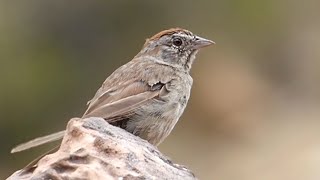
[{"x": 177, "y": 41}]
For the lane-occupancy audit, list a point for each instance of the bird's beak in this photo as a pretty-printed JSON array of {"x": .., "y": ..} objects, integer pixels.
[{"x": 202, "y": 42}]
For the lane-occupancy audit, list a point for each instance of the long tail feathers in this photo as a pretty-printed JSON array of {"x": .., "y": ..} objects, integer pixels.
[{"x": 38, "y": 141}]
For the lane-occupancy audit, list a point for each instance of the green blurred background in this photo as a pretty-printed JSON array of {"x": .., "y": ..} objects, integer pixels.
[{"x": 254, "y": 109}]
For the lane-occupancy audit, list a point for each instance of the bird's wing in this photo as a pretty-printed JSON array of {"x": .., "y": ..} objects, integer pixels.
[
  {"x": 111, "y": 105},
  {"x": 116, "y": 105}
]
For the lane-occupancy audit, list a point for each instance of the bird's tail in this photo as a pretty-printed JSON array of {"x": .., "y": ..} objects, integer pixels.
[{"x": 38, "y": 141}]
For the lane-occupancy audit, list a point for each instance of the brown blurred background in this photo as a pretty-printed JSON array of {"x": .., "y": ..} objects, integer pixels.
[{"x": 254, "y": 109}]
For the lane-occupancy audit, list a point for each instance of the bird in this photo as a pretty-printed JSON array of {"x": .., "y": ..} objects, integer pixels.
[{"x": 147, "y": 95}]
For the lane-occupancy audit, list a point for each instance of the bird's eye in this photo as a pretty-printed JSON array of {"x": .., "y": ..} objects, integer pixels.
[{"x": 177, "y": 41}]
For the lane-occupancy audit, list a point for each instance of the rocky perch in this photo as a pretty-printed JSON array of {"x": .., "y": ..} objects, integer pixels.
[{"x": 93, "y": 149}]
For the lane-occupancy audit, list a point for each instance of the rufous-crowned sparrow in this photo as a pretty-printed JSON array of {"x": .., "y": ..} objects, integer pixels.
[{"x": 147, "y": 95}]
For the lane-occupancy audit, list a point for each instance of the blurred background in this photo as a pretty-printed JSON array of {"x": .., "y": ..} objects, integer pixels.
[{"x": 254, "y": 109}]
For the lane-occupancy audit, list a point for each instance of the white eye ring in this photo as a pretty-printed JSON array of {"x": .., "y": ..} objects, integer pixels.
[{"x": 177, "y": 41}]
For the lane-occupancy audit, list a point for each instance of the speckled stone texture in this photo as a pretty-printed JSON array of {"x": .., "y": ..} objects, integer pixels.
[{"x": 93, "y": 149}]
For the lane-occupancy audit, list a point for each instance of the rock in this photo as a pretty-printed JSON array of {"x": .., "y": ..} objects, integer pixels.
[{"x": 94, "y": 149}]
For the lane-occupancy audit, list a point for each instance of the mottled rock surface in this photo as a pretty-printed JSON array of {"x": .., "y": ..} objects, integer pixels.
[{"x": 93, "y": 149}]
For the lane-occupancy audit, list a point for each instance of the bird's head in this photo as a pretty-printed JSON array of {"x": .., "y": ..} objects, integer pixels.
[{"x": 176, "y": 47}]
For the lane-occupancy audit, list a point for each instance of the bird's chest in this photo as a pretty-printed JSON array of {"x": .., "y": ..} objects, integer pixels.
[
  {"x": 177, "y": 98},
  {"x": 176, "y": 101},
  {"x": 157, "y": 119},
  {"x": 180, "y": 89}
]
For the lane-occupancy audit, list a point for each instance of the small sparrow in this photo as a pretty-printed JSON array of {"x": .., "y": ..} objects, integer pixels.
[{"x": 146, "y": 96}]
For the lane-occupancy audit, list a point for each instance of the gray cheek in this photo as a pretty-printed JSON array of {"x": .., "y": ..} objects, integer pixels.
[{"x": 169, "y": 54}]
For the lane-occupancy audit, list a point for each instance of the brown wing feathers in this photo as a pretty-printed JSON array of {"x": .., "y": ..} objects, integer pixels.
[{"x": 123, "y": 103}]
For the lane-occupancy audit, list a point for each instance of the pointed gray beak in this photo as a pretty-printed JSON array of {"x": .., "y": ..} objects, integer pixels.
[{"x": 202, "y": 42}]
